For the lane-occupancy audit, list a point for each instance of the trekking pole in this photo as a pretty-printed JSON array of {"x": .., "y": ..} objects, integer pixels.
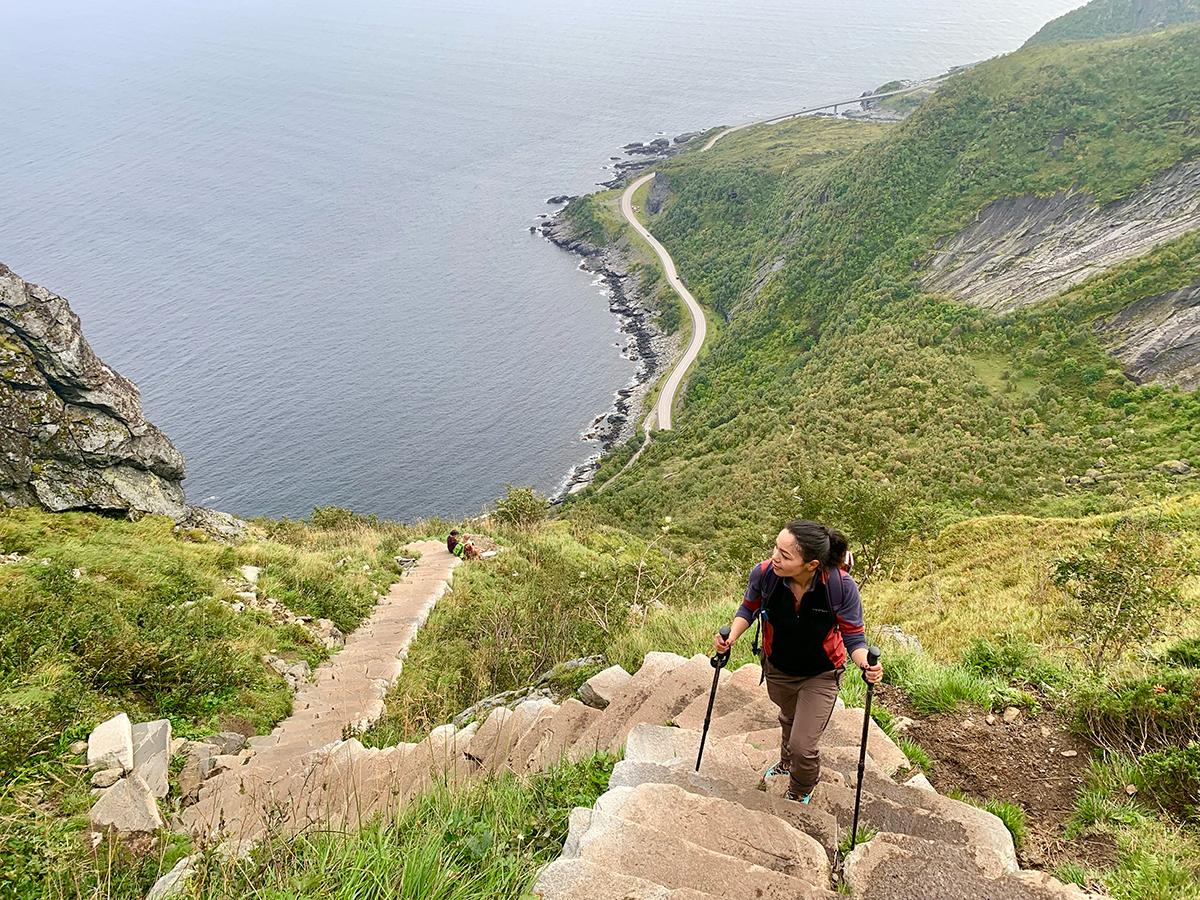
[
  {"x": 718, "y": 663},
  {"x": 872, "y": 658}
]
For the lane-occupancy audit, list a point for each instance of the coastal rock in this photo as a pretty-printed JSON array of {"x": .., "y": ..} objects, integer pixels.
[
  {"x": 72, "y": 434},
  {"x": 687, "y": 136},
  {"x": 219, "y": 526}
]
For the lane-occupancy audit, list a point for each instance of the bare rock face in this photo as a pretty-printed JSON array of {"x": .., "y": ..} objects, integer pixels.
[
  {"x": 660, "y": 190},
  {"x": 1158, "y": 338},
  {"x": 1020, "y": 250},
  {"x": 72, "y": 435}
]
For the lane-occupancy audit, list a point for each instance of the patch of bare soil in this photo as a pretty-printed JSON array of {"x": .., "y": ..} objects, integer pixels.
[
  {"x": 1035, "y": 762},
  {"x": 483, "y": 543}
]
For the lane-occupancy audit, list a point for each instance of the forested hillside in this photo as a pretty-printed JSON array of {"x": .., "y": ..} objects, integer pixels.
[
  {"x": 1108, "y": 18},
  {"x": 839, "y": 374}
]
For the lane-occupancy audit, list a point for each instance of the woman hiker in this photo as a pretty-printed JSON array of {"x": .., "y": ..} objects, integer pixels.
[{"x": 811, "y": 617}]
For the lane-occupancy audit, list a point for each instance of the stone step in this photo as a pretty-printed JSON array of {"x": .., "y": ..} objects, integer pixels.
[
  {"x": 500, "y": 734},
  {"x": 888, "y": 869},
  {"x": 732, "y": 758},
  {"x": 938, "y": 819},
  {"x": 735, "y": 691},
  {"x": 574, "y": 879},
  {"x": 721, "y": 825},
  {"x": 845, "y": 730},
  {"x": 548, "y": 739},
  {"x": 756, "y": 716},
  {"x": 535, "y": 734},
  {"x": 674, "y": 862},
  {"x": 616, "y": 716},
  {"x": 439, "y": 757},
  {"x": 814, "y": 822},
  {"x": 674, "y": 692}
]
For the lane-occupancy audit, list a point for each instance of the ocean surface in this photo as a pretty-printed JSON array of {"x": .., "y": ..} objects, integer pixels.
[{"x": 302, "y": 228}]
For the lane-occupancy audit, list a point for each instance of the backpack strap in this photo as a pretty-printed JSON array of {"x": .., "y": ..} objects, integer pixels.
[
  {"x": 836, "y": 594},
  {"x": 755, "y": 646}
]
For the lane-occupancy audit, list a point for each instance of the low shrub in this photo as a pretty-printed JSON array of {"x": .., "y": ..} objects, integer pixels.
[
  {"x": 521, "y": 507},
  {"x": 1012, "y": 657},
  {"x": 1140, "y": 714},
  {"x": 1184, "y": 652},
  {"x": 1172, "y": 777}
]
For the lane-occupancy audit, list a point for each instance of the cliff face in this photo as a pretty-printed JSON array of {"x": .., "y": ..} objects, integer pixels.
[
  {"x": 72, "y": 435},
  {"x": 1021, "y": 250},
  {"x": 1158, "y": 338}
]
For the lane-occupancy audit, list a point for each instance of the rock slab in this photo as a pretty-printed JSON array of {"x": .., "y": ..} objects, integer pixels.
[{"x": 110, "y": 745}]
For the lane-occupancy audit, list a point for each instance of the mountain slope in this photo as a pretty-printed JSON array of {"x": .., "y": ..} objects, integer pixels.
[
  {"x": 1108, "y": 18},
  {"x": 840, "y": 372}
]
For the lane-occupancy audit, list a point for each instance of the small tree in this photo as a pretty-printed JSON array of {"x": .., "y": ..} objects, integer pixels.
[
  {"x": 868, "y": 511},
  {"x": 521, "y": 507},
  {"x": 1117, "y": 589}
]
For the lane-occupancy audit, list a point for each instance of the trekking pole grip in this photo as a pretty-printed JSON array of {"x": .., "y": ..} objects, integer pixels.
[
  {"x": 721, "y": 658},
  {"x": 873, "y": 654}
]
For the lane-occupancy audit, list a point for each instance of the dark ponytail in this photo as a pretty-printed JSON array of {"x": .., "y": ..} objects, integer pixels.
[{"x": 819, "y": 542}]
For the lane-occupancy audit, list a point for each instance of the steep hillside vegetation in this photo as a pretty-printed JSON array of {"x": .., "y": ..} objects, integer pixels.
[
  {"x": 1108, "y": 18},
  {"x": 843, "y": 386}
]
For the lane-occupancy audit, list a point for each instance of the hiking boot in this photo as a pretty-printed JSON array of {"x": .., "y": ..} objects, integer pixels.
[
  {"x": 792, "y": 795},
  {"x": 780, "y": 768}
]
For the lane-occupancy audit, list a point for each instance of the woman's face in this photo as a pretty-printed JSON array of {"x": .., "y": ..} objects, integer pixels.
[{"x": 788, "y": 560}]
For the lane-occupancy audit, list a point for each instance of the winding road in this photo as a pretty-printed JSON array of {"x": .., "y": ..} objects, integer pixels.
[
  {"x": 666, "y": 400},
  {"x": 660, "y": 415}
]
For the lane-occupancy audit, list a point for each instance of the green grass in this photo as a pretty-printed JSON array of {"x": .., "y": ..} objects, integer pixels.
[
  {"x": 1157, "y": 859},
  {"x": 483, "y": 841},
  {"x": 561, "y": 591},
  {"x": 916, "y": 754}
]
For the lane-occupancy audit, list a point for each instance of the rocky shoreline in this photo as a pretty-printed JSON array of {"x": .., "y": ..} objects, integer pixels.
[{"x": 648, "y": 345}]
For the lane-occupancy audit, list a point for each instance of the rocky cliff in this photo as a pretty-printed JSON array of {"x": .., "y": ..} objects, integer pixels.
[
  {"x": 1020, "y": 250},
  {"x": 72, "y": 435}
]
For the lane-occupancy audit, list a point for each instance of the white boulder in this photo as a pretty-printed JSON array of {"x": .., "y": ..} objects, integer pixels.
[{"x": 110, "y": 745}]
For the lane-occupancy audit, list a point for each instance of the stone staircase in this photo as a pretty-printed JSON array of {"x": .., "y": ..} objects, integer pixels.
[{"x": 663, "y": 830}]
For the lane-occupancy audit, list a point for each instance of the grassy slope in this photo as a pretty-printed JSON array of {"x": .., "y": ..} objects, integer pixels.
[
  {"x": 1109, "y": 18},
  {"x": 838, "y": 368},
  {"x": 103, "y": 615}
]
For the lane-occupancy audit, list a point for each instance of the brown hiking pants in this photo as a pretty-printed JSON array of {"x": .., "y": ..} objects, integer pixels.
[{"x": 805, "y": 707}]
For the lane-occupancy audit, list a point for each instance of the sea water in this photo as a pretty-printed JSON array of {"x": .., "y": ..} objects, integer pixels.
[{"x": 302, "y": 228}]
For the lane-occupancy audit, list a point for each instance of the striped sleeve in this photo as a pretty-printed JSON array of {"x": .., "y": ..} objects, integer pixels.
[{"x": 752, "y": 601}]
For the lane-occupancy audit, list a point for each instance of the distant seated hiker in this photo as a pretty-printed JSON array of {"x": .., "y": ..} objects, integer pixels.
[
  {"x": 811, "y": 617},
  {"x": 460, "y": 545}
]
